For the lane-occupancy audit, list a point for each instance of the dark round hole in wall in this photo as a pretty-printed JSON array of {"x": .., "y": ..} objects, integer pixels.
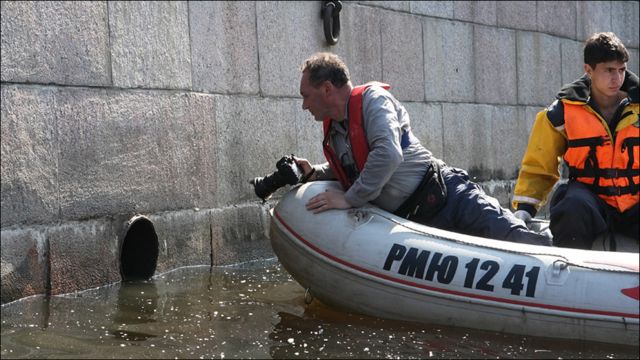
[{"x": 139, "y": 250}]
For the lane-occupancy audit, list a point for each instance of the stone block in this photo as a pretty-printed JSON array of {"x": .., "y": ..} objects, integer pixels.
[
  {"x": 253, "y": 134},
  {"x": 24, "y": 263},
  {"x": 572, "y": 60},
  {"x": 481, "y": 12},
  {"x": 224, "y": 49},
  {"x": 150, "y": 44},
  {"x": 442, "y": 9},
  {"x": 134, "y": 151},
  {"x": 426, "y": 125},
  {"x": 184, "y": 238},
  {"x": 527, "y": 114},
  {"x": 61, "y": 42},
  {"x": 402, "y": 56},
  {"x": 360, "y": 38},
  {"x": 624, "y": 22},
  {"x": 448, "y": 61},
  {"x": 392, "y": 5},
  {"x": 592, "y": 17},
  {"x": 508, "y": 135},
  {"x": 517, "y": 15},
  {"x": 29, "y": 155},
  {"x": 539, "y": 68},
  {"x": 557, "y": 18},
  {"x": 309, "y": 134},
  {"x": 633, "y": 61},
  {"x": 84, "y": 254},
  {"x": 280, "y": 60},
  {"x": 238, "y": 234},
  {"x": 495, "y": 65},
  {"x": 470, "y": 134},
  {"x": 467, "y": 139}
]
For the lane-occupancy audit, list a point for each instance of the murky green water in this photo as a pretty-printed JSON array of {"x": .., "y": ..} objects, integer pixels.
[{"x": 252, "y": 310}]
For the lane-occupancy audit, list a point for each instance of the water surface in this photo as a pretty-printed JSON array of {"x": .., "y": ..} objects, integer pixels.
[{"x": 251, "y": 310}]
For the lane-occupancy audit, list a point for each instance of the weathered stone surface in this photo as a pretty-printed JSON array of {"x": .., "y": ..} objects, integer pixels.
[
  {"x": 309, "y": 134},
  {"x": 557, "y": 18},
  {"x": 470, "y": 134},
  {"x": 360, "y": 38},
  {"x": 402, "y": 56},
  {"x": 624, "y": 22},
  {"x": 61, "y": 42},
  {"x": 284, "y": 45},
  {"x": 495, "y": 65},
  {"x": 135, "y": 151},
  {"x": 517, "y": 15},
  {"x": 539, "y": 64},
  {"x": 184, "y": 238},
  {"x": 224, "y": 48},
  {"x": 443, "y": 9},
  {"x": 448, "y": 78},
  {"x": 426, "y": 125},
  {"x": 24, "y": 263},
  {"x": 481, "y": 12},
  {"x": 240, "y": 234},
  {"x": 393, "y": 5},
  {"x": 592, "y": 17},
  {"x": 572, "y": 60},
  {"x": 253, "y": 134},
  {"x": 29, "y": 155},
  {"x": 633, "y": 61},
  {"x": 150, "y": 44},
  {"x": 84, "y": 254}
]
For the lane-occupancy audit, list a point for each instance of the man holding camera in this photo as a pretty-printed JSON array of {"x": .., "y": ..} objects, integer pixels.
[{"x": 370, "y": 149}]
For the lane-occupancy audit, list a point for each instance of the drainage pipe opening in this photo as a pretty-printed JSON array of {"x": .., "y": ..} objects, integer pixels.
[{"x": 139, "y": 250}]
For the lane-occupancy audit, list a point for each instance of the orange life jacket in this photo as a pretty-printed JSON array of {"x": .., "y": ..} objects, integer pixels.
[
  {"x": 611, "y": 169},
  {"x": 357, "y": 138}
]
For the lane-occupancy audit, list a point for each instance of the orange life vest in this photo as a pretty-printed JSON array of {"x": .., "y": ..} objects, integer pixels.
[
  {"x": 357, "y": 138},
  {"x": 611, "y": 169}
]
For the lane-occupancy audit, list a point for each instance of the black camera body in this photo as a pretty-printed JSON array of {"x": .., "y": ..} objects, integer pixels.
[{"x": 288, "y": 173}]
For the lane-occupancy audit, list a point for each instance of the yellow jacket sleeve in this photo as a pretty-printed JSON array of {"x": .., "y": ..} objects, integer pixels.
[{"x": 539, "y": 168}]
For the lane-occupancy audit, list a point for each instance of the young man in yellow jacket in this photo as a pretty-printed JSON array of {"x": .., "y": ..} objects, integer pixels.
[{"x": 593, "y": 125}]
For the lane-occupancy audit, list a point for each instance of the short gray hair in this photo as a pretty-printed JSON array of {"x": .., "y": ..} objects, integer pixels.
[{"x": 325, "y": 66}]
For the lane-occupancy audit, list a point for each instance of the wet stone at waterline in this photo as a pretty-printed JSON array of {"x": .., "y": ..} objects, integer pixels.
[{"x": 252, "y": 310}]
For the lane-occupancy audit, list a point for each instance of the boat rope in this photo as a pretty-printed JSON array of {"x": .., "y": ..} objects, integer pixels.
[{"x": 562, "y": 259}]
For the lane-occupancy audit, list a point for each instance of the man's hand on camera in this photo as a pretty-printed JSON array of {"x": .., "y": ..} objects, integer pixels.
[
  {"x": 306, "y": 166},
  {"x": 330, "y": 199}
]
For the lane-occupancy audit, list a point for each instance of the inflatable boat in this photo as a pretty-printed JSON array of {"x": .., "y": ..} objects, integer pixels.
[{"x": 371, "y": 262}]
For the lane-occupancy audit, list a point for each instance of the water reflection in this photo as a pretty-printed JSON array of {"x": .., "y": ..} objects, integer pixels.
[
  {"x": 247, "y": 311},
  {"x": 137, "y": 304}
]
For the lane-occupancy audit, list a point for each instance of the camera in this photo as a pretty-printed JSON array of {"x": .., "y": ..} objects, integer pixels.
[{"x": 288, "y": 173}]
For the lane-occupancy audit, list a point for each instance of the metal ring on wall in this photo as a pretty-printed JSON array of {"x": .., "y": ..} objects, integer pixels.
[{"x": 331, "y": 15}]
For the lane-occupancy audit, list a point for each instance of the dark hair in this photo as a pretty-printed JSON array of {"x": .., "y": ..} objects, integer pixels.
[
  {"x": 603, "y": 47},
  {"x": 325, "y": 66}
]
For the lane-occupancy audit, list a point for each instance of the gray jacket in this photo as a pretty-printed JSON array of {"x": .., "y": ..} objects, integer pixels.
[{"x": 391, "y": 173}]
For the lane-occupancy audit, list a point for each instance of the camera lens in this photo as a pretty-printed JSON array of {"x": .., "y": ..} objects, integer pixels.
[{"x": 288, "y": 173}]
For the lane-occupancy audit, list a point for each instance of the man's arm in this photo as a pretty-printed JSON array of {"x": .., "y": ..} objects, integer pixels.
[
  {"x": 382, "y": 128},
  {"x": 539, "y": 168}
]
